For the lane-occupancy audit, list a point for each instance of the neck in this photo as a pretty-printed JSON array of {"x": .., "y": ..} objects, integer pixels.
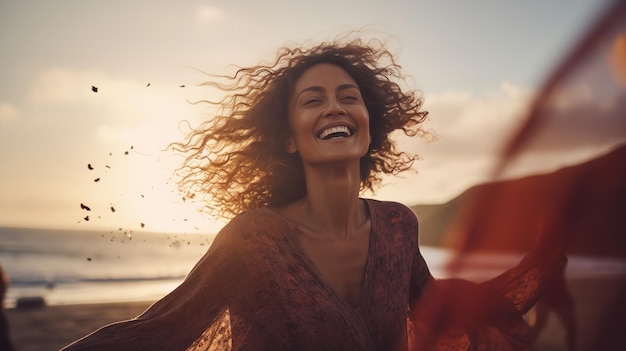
[{"x": 332, "y": 203}]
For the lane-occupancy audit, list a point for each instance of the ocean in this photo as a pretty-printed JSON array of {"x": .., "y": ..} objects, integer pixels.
[
  {"x": 67, "y": 267},
  {"x": 73, "y": 267}
]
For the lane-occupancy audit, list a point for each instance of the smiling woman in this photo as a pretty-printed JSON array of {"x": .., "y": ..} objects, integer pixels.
[
  {"x": 239, "y": 159},
  {"x": 306, "y": 264}
]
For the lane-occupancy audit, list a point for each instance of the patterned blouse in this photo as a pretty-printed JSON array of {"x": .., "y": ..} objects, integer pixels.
[{"x": 257, "y": 289}]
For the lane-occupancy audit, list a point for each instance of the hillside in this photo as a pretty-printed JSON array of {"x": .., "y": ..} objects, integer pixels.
[{"x": 586, "y": 203}]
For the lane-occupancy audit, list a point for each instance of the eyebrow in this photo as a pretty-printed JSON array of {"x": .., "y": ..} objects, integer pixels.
[{"x": 320, "y": 89}]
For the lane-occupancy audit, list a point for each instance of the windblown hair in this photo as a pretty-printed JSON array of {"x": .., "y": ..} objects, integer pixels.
[{"x": 238, "y": 161}]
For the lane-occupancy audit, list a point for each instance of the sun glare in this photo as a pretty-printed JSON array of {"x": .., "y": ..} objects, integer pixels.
[
  {"x": 129, "y": 178},
  {"x": 140, "y": 193}
]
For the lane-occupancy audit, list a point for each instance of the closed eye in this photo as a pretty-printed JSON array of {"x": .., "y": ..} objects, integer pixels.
[
  {"x": 350, "y": 98},
  {"x": 311, "y": 101}
]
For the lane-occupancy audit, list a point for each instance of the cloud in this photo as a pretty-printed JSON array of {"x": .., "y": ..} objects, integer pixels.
[
  {"x": 8, "y": 111},
  {"x": 437, "y": 180},
  {"x": 470, "y": 131},
  {"x": 208, "y": 14},
  {"x": 57, "y": 85},
  {"x": 467, "y": 124}
]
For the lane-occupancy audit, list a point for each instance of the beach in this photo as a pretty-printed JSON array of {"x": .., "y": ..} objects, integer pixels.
[{"x": 52, "y": 327}]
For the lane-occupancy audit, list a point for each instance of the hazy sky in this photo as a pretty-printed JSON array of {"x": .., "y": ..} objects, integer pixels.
[{"x": 476, "y": 63}]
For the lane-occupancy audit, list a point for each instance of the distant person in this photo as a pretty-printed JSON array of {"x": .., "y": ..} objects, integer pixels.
[
  {"x": 306, "y": 263},
  {"x": 5, "y": 338}
]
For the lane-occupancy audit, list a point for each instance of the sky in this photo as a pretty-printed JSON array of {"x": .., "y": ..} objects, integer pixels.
[{"x": 477, "y": 64}]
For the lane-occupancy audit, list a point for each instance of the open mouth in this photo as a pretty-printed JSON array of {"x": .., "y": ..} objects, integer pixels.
[{"x": 335, "y": 133}]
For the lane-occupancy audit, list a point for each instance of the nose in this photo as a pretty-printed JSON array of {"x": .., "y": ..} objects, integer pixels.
[{"x": 334, "y": 107}]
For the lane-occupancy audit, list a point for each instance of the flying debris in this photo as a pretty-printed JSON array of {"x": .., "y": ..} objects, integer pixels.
[
  {"x": 182, "y": 85},
  {"x": 143, "y": 225},
  {"x": 89, "y": 259},
  {"x": 90, "y": 167},
  {"x": 94, "y": 89},
  {"x": 189, "y": 196},
  {"x": 113, "y": 210},
  {"x": 147, "y": 85},
  {"x": 86, "y": 218},
  {"x": 84, "y": 207},
  {"x": 107, "y": 166},
  {"x": 96, "y": 180},
  {"x": 125, "y": 152}
]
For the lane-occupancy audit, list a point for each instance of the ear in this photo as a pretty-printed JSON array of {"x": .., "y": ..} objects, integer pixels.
[{"x": 290, "y": 146}]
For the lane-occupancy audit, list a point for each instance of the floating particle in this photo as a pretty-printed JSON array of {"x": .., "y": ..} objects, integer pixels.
[
  {"x": 110, "y": 154},
  {"x": 182, "y": 85},
  {"x": 142, "y": 196},
  {"x": 147, "y": 85},
  {"x": 84, "y": 207},
  {"x": 113, "y": 210},
  {"x": 125, "y": 152},
  {"x": 132, "y": 147},
  {"x": 96, "y": 180},
  {"x": 90, "y": 167},
  {"x": 89, "y": 259},
  {"x": 86, "y": 218},
  {"x": 107, "y": 166},
  {"x": 94, "y": 88},
  {"x": 142, "y": 225}
]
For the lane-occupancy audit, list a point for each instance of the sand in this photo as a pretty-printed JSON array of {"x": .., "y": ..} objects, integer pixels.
[{"x": 53, "y": 327}]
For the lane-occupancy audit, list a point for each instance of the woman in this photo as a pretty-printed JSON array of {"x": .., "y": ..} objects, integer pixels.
[{"x": 306, "y": 264}]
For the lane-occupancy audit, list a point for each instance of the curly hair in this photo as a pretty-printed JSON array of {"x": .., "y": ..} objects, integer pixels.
[{"x": 238, "y": 160}]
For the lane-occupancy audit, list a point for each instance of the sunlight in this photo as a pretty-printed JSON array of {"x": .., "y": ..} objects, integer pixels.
[
  {"x": 138, "y": 193},
  {"x": 131, "y": 181}
]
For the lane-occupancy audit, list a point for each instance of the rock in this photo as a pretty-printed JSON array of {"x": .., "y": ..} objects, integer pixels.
[{"x": 30, "y": 302}]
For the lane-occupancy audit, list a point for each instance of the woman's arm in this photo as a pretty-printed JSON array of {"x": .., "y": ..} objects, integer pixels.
[
  {"x": 452, "y": 314},
  {"x": 198, "y": 307}
]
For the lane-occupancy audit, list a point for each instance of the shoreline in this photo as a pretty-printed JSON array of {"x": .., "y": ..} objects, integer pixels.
[{"x": 55, "y": 326}]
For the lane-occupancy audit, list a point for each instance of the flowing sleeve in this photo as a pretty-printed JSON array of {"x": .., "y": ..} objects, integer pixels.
[
  {"x": 194, "y": 316},
  {"x": 456, "y": 314}
]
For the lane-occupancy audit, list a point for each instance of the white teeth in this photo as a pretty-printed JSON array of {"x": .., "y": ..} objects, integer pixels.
[{"x": 332, "y": 130}]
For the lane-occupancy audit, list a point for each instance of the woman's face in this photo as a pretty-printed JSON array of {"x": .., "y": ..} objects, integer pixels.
[{"x": 327, "y": 116}]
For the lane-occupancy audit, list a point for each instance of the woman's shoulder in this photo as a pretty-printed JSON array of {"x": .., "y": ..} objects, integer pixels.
[
  {"x": 254, "y": 223},
  {"x": 391, "y": 210},
  {"x": 250, "y": 217}
]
